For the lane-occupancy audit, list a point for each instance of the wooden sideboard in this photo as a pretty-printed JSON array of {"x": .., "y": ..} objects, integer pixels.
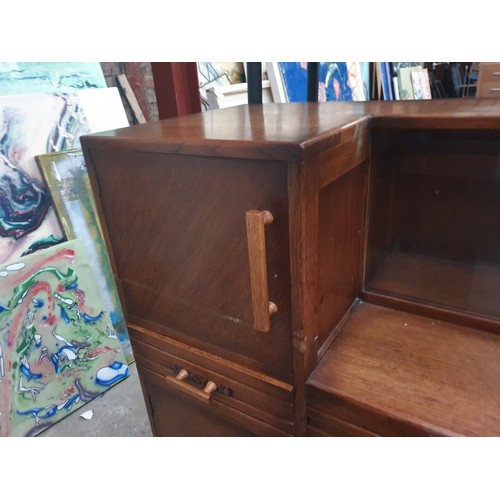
[{"x": 310, "y": 269}]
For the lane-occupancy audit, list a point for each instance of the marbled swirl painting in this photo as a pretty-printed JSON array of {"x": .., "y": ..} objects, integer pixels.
[
  {"x": 58, "y": 347},
  {"x": 66, "y": 175},
  {"x": 32, "y": 124}
]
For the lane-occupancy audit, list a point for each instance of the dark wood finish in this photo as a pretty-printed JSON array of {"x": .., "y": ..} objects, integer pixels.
[
  {"x": 203, "y": 276},
  {"x": 178, "y": 231},
  {"x": 173, "y": 415},
  {"x": 434, "y": 218},
  {"x": 437, "y": 377},
  {"x": 327, "y": 425}
]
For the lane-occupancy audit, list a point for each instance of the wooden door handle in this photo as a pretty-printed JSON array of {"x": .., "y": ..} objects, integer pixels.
[
  {"x": 179, "y": 382},
  {"x": 256, "y": 237}
]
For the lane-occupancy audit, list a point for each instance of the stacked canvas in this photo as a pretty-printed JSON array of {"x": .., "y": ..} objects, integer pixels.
[
  {"x": 60, "y": 319},
  {"x": 403, "y": 81}
]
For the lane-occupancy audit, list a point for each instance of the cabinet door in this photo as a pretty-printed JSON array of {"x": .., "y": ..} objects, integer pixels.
[{"x": 178, "y": 231}]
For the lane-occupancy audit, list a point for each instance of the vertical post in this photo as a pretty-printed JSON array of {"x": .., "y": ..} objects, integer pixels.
[
  {"x": 312, "y": 81},
  {"x": 177, "y": 88},
  {"x": 254, "y": 82}
]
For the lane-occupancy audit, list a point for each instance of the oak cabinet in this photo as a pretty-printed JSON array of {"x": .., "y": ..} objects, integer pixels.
[{"x": 281, "y": 264}]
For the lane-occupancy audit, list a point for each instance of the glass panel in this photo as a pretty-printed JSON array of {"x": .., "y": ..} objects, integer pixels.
[{"x": 434, "y": 223}]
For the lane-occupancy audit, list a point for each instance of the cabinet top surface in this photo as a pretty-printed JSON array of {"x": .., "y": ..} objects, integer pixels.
[{"x": 287, "y": 131}]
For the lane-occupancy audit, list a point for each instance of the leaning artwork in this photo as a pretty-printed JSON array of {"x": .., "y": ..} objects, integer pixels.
[
  {"x": 32, "y": 124},
  {"x": 66, "y": 175},
  {"x": 58, "y": 347}
]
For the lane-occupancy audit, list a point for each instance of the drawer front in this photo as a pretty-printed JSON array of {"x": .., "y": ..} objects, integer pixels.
[
  {"x": 175, "y": 415},
  {"x": 262, "y": 405},
  {"x": 489, "y": 80},
  {"x": 323, "y": 424},
  {"x": 489, "y": 89},
  {"x": 178, "y": 231}
]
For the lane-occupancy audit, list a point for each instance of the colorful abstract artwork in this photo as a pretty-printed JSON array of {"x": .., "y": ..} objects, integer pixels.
[
  {"x": 58, "y": 347},
  {"x": 66, "y": 175},
  {"x": 338, "y": 81},
  {"x": 32, "y": 124},
  {"x": 31, "y": 77}
]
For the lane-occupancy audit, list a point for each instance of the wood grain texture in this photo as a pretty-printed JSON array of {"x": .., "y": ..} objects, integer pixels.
[
  {"x": 434, "y": 377},
  {"x": 293, "y": 131},
  {"x": 181, "y": 244},
  {"x": 165, "y": 350},
  {"x": 177, "y": 227},
  {"x": 256, "y": 221}
]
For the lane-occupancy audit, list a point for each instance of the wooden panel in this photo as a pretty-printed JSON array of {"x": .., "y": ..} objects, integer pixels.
[
  {"x": 296, "y": 131},
  {"x": 162, "y": 348},
  {"x": 488, "y": 84},
  {"x": 178, "y": 232},
  {"x": 176, "y": 416},
  {"x": 328, "y": 425},
  {"x": 340, "y": 249},
  {"x": 436, "y": 377},
  {"x": 230, "y": 391}
]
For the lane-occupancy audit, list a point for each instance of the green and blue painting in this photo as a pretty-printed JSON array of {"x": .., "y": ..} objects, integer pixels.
[{"x": 58, "y": 347}]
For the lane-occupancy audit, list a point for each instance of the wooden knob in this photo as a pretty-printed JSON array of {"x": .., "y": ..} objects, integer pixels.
[
  {"x": 210, "y": 387},
  {"x": 268, "y": 217},
  {"x": 182, "y": 375},
  {"x": 273, "y": 308}
]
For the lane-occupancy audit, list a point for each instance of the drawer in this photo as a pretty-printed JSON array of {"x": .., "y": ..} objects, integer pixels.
[
  {"x": 210, "y": 385},
  {"x": 489, "y": 89},
  {"x": 489, "y": 80}
]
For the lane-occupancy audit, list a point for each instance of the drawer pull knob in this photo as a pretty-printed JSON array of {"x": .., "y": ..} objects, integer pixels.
[
  {"x": 262, "y": 308},
  {"x": 180, "y": 384}
]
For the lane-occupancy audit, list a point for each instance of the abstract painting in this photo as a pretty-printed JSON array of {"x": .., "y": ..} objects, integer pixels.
[
  {"x": 338, "y": 81},
  {"x": 66, "y": 77},
  {"x": 58, "y": 347},
  {"x": 32, "y": 124},
  {"x": 66, "y": 175}
]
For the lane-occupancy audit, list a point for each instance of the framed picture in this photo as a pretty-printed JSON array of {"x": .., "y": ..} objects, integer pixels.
[{"x": 66, "y": 176}]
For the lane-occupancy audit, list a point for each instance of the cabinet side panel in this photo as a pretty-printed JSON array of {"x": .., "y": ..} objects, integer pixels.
[
  {"x": 341, "y": 229},
  {"x": 177, "y": 228}
]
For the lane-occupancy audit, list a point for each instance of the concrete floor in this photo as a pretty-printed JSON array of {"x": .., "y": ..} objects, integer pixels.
[{"x": 118, "y": 412}]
